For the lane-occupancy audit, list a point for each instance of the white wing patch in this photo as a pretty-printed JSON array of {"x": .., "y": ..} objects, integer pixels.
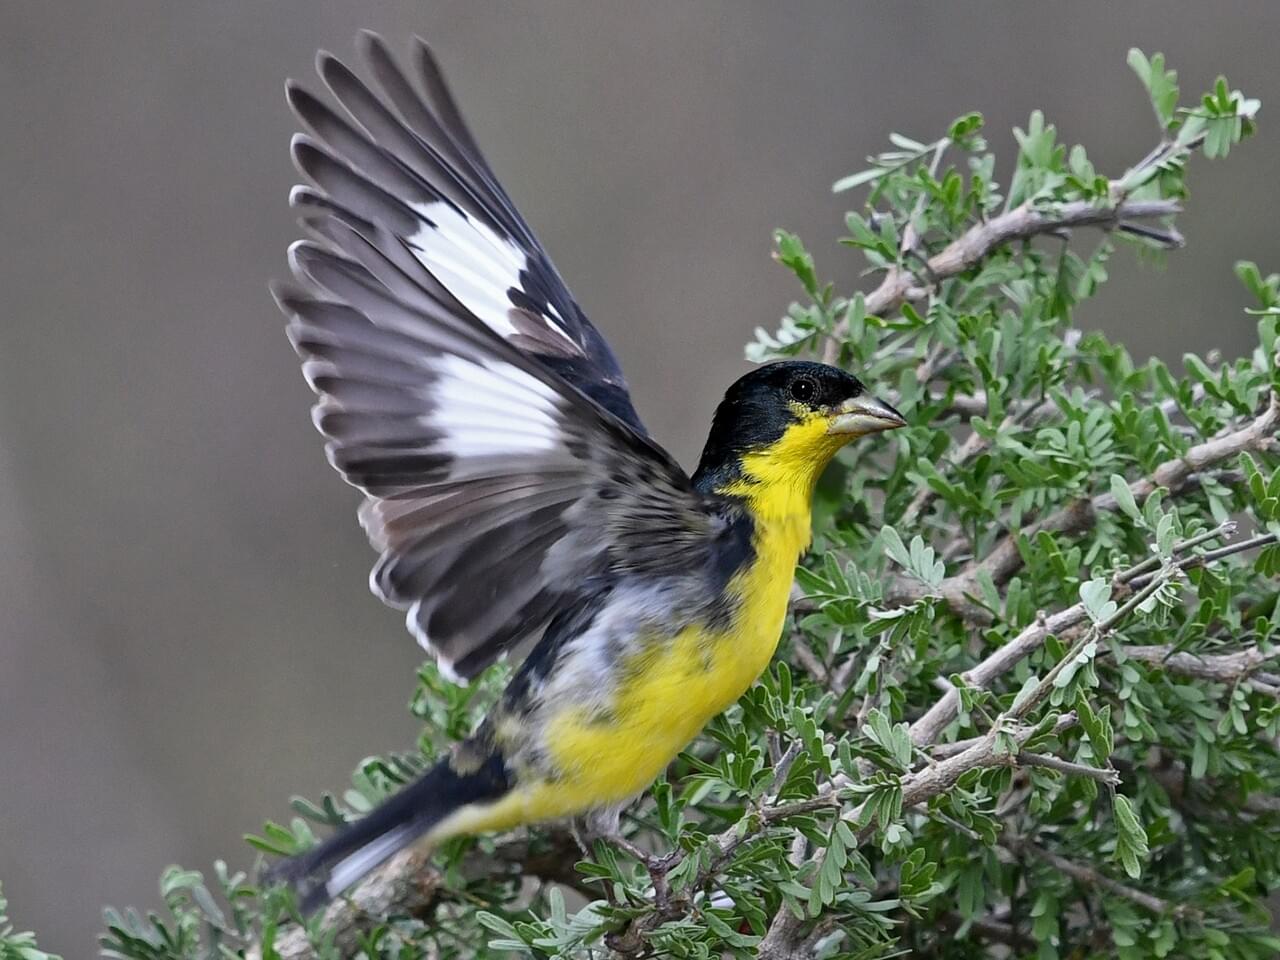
[
  {"x": 492, "y": 407},
  {"x": 471, "y": 261},
  {"x": 474, "y": 264}
]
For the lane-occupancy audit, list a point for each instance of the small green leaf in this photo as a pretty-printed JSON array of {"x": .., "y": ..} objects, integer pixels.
[
  {"x": 1131, "y": 838},
  {"x": 1096, "y": 596},
  {"x": 1124, "y": 497}
]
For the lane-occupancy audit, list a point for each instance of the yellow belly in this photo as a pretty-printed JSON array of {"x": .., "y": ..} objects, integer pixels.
[
  {"x": 671, "y": 695},
  {"x": 672, "y": 689}
]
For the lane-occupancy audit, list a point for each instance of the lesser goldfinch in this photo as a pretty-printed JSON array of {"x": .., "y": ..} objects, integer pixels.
[{"x": 515, "y": 497}]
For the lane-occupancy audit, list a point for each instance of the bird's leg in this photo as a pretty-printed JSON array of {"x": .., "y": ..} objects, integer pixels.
[
  {"x": 597, "y": 825},
  {"x": 578, "y": 828},
  {"x": 604, "y": 825},
  {"x": 600, "y": 825}
]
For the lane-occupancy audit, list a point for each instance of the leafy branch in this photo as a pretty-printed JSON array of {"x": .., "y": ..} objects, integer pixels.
[
  {"x": 1041, "y": 213},
  {"x": 1173, "y": 475}
]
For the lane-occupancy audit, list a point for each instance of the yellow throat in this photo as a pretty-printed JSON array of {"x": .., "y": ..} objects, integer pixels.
[{"x": 777, "y": 484}]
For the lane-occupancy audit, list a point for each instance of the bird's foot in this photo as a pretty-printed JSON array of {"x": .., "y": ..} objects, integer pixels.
[
  {"x": 605, "y": 825},
  {"x": 656, "y": 866}
]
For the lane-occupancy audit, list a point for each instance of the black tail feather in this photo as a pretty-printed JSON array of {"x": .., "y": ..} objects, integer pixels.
[{"x": 320, "y": 874}]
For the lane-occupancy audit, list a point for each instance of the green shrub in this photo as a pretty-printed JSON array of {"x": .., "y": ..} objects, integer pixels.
[{"x": 1024, "y": 706}]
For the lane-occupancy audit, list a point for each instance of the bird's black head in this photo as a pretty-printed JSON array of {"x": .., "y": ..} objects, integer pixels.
[{"x": 794, "y": 412}]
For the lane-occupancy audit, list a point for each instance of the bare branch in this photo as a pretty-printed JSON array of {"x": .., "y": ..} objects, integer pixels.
[
  {"x": 781, "y": 942},
  {"x": 1092, "y": 878},
  {"x": 900, "y": 286},
  {"x": 970, "y": 248},
  {"x": 1220, "y": 667},
  {"x": 1261, "y": 803},
  {"x": 406, "y": 884},
  {"x": 809, "y": 660}
]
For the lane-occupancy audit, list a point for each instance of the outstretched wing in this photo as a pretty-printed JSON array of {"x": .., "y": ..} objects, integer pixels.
[
  {"x": 499, "y": 484},
  {"x": 409, "y": 164}
]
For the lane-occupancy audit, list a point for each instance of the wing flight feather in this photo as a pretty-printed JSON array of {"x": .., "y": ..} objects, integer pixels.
[{"x": 459, "y": 386}]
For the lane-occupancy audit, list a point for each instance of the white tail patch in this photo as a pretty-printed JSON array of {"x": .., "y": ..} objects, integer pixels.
[{"x": 354, "y": 866}]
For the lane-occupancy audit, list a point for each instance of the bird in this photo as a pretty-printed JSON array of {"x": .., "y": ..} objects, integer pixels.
[{"x": 518, "y": 505}]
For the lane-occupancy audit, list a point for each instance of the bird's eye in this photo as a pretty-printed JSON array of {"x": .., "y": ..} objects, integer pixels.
[{"x": 803, "y": 390}]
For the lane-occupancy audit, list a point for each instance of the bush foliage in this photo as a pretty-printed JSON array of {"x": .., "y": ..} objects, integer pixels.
[{"x": 1023, "y": 707}]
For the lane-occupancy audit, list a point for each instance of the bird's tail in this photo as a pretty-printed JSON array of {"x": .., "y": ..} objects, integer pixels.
[{"x": 323, "y": 872}]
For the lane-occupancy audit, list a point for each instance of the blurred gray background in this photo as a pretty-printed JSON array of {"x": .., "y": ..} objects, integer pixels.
[{"x": 186, "y": 637}]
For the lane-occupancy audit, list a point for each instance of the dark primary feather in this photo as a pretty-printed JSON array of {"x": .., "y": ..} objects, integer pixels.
[{"x": 480, "y": 412}]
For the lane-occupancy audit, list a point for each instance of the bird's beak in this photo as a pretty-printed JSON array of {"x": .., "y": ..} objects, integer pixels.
[{"x": 861, "y": 415}]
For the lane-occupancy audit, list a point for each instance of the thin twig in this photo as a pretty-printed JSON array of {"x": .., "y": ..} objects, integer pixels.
[
  {"x": 943, "y": 750},
  {"x": 988, "y": 928},
  {"x": 911, "y": 233},
  {"x": 1211, "y": 555},
  {"x": 1134, "y": 573},
  {"x": 1093, "y": 878},
  {"x": 1107, "y": 775}
]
